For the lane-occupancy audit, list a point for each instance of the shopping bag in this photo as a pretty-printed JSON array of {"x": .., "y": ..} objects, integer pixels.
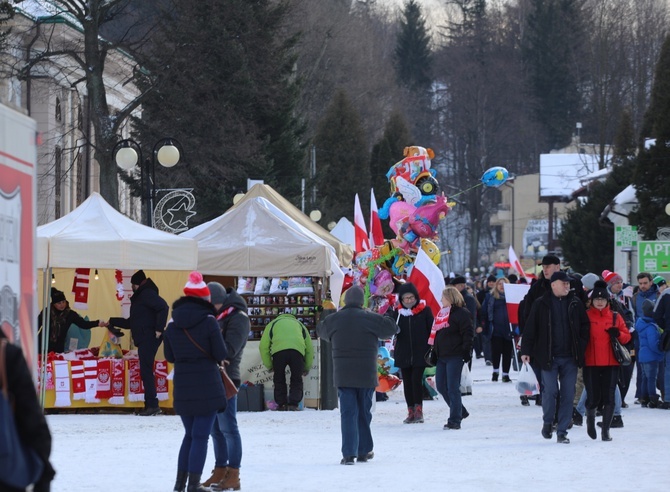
[
  {"x": 77, "y": 338},
  {"x": 527, "y": 384},
  {"x": 110, "y": 346},
  {"x": 466, "y": 381}
]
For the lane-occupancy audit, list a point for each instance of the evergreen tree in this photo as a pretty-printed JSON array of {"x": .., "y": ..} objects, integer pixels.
[
  {"x": 228, "y": 95},
  {"x": 652, "y": 170},
  {"x": 341, "y": 160},
  {"x": 412, "y": 52},
  {"x": 550, "y": 48}
]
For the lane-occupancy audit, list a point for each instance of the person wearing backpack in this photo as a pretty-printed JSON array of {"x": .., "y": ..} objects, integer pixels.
[{"x": 286, "y": 343}]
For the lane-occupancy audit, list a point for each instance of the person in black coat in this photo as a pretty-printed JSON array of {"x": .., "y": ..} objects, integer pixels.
[
  {"x": 194, "y": 344},
  {"x": 453, "y": 343},
  {"x": 415, "y": 320},
  {"x": 30, "y": 422},
  {"x": 148, "y": 316},
  {"x": 60, "y": 319}
]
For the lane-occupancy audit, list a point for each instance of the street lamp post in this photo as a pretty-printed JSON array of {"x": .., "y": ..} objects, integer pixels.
[{"x": 128, "y": 153}]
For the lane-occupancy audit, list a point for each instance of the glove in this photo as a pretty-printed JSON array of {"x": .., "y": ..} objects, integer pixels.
[
  {"x": 467, "y": 357},
  {"x": 613, "y": 332}
]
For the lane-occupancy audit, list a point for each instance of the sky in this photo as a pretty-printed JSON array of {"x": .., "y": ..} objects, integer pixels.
[{"x": 498, "y": 448}]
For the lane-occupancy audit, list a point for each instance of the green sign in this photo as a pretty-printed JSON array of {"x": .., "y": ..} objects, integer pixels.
[
  {"x": 625, "y": 236},
  {"x": 654, "y": 256}
]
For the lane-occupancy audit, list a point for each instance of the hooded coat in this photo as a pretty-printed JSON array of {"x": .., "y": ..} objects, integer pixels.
[
  {"x": 412, "y": 341},
  {"x": 148, "y": 313},
  {"x": 198, "y": 389},
  {"x": 235, "y": 327}
]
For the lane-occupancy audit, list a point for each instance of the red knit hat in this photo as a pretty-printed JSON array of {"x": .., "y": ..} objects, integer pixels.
[
  {"x": 196, "y": 286},
  {"x": 611, "y": 277}
]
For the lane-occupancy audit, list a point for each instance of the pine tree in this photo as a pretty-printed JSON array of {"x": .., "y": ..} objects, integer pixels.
[
  {"x": 228, "y": 94},
  {"x": 412, "y": 52},
  {"x": 341, "y": 160}
]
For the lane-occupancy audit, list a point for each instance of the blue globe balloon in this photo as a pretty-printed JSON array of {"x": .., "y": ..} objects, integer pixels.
[{"x": 495, "y": 176}]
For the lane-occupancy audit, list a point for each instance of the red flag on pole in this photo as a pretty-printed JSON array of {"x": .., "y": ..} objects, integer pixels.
[
  {"x": 361, "y": 235},
  {"x": 376, "y": 233},
  {"x": 514, "y": 294},
  {"x": 428, "y": 279},
  {"x": 514, "y": 261}
]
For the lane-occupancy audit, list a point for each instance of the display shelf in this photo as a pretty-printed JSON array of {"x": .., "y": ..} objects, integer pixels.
[{"x": 262, "y": 309}]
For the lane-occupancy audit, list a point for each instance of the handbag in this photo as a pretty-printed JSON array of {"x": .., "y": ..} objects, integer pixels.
[
  {"x": 431, "y": 357},
  {"x": 20, "y": 465},
  {"x": 228, "y": 385},
  {"x": 621, "y": 353}
]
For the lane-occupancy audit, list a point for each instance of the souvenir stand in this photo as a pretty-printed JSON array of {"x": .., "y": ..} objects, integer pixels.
[
  {"x": 256, "y": 241},
  {"x": 90, "y": 254}
]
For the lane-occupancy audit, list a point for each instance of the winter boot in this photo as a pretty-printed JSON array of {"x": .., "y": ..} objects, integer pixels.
[
  {"x": 410, "y": 416},
  {"x": 194, "y": 484},
  {"x": 495, "y": 376},
  {"x": 577, "y": 418},
  {"x": 218, "y": 474},
  {"x": 608, "y": 412},
  {"x": 232, "y": 480},
  {"x": 524, "y": 400},
  {"x": 180, "y": 483},
  {"x": 418, "y": 414},
  {"x": 653, "y": 402},
  {"x": 591, "y": 423},
  {"x": 617, "y": 422}
]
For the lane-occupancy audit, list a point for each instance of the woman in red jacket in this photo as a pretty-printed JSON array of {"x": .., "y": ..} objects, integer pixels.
[{"x": 601, "y": 369}]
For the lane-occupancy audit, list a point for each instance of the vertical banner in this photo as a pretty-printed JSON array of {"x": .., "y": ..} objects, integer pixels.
[{"x": 18, "y": 162}]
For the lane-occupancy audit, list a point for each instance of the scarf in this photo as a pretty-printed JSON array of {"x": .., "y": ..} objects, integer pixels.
[
  {"x": 441, "y": 321},
  {"x": 421, "y": 305}
]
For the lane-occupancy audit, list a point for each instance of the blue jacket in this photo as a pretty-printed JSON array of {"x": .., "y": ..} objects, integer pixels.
[
  {"x": 648, "y": 333},
  {"x": 497, "y": 318},
  {"x": 198, "y": 389},
  {"x": 639, "y": 297}
]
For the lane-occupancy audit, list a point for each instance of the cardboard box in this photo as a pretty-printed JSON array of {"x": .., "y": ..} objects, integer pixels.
[{"x": 251, "y": 399}]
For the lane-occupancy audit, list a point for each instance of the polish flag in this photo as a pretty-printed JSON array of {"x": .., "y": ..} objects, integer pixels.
[
  {"x": 361, "y": 235},
  {"x": 514, "y": 261},
  {"x": 429, "y": 281},
  {"x": 376, "y": 233},
  {"x": 514, "y": 294}
]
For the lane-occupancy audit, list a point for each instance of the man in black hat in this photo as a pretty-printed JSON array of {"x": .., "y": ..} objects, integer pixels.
[
  {"x": 148, "y": 317},
  {"x": 556, "y": 335}
]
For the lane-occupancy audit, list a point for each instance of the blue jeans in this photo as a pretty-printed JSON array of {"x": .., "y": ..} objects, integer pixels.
[
  {"x": 193, "y": 451},
  {"x": 649, "y": 374},
  {"x": 355, "y": 418},
  {"x": 448, "y": 382},
  {"x": 563, "y": 370},
  {"x": 581, "y": 406},
  {"x": 226, "y": 437}
]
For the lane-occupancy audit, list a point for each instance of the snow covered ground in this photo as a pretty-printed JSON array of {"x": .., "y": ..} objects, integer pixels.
[{"x": 498, "y": 448}]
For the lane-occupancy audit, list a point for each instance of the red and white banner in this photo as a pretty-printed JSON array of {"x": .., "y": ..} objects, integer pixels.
[
  {"x": 376, "y": 232},
  {"x": 360, "y": 234},
  {"x": 429, "y": 281},
  {"x": 515, "y": 263},
  {"x": 514, "y": 294}
]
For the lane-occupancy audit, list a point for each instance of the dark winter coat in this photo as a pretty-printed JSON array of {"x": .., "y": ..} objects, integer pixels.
[
  {"x": 497, "y": 319},
  {"x": 412, "y": 341},
  {"x": 148, "y": 313},
  {"x": 457, "y": 338},
  {"x": 537, "y": 336},
  {"x": 540, "y": 288},
  {"x": 30, "y": 422},
  {"x": 471, "y": 305},
  {"x": 599, "y": 349},
  {"x": 354, "y": 334},
  {"x": 235, "y": 328},
  {"x": 662, "y": 310},
  {"x": 59, "y": 324},
  {"x": 648, "y": 333},
  {"x": 198, "y": 389}
]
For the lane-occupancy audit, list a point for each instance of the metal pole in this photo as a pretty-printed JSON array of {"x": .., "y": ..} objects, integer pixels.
[{"x": 149, "y": 190}]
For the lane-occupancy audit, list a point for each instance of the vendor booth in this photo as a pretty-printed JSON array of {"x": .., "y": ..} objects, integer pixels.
[
  {"x": 89, "y": 255},
  {"x": 255, "y": 240}
]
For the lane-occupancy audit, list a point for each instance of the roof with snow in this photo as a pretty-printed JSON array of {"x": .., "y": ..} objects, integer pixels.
[{"x": 563, "y": 174}]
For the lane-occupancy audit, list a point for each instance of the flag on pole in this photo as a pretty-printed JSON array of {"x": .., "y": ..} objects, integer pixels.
[
  {"x": 361, "y": 235},
  {"x": 514, "y": 261},
  {"x": 428, "y": 279},
  {"x": 514, "y": 294},
  {"x": 376, "y": 233}
]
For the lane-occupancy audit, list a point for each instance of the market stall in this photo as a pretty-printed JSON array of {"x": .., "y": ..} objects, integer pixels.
[
  {"x": 255, "y": 238},
  {"x": 95, "y": 248}
]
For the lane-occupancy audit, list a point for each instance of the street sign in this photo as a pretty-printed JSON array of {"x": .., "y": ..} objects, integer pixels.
[
  {"x": 625, "y": 236},
  {"x": 654, "y": 256}
]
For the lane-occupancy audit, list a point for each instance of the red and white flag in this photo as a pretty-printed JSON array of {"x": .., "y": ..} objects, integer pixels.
[
  {"x": 429, "y": 281},
  {"x": 360, "y": 234},
  {"x": 376, "y": 232},
  {"x": 80, "y": 287},
  {"x": 514, "y": 261},
  {"x": 514, "y": 294}
]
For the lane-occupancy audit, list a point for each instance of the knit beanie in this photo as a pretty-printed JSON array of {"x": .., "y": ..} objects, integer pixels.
[
  {"x": 56, "y": 295},
  {"x": 196, "y": 286},
  {"x": 354, "y": 296},
  {"x": 589, "y": 280},
  {"x": 611, "y": 277},
  {"x": 648, "y": 308},
  {"x": 138, "y": 277},
  {"x": 658, "y": 280},
  {"x": 218, "y": 292},
  {"x": 599, "y": 291}
]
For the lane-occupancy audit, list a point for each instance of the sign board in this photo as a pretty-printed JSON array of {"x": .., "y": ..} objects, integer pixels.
[
  {"x": 654, "y": 256},
  {"x": 625, "y": 236}
]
